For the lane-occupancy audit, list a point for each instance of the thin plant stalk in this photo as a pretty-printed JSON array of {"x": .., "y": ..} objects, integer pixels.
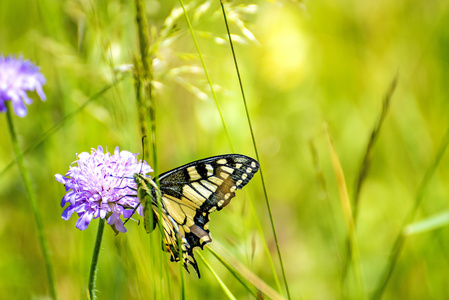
[
  {"x": 264, "y": 242},
  {"x": 33, "y": 202},
  {"x": 59, "y": 124},
  {"x": 365, "y": 166},
  {"x": 94, "y": 263},
  {"x": 348, "y": 216},
  {"x": 206, "y": 73},
  {"x": 401, "y": 237},
  {"x": 147, "y": 104},
  {"x": 323, "y": 196},
  {"x": 181, "y": 266},
  {"x": 256, "y": 152},
  {"x": 366, "y": 162},
  {"x": 227, "y": 292},
  {"x": 256, "y": 286}
]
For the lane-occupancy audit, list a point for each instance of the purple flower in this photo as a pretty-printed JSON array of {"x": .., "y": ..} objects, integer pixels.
[
  {"x": 100, "y": 186},
  {"x": 17, "y": 76}
]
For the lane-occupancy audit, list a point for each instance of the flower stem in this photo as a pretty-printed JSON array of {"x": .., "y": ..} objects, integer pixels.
[
  {"x": 93, "y": 265},
  {"x": 32, "y": 198}
]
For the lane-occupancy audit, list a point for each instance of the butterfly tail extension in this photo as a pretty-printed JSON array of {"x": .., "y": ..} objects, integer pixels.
[{"x": 174, "y": 235}]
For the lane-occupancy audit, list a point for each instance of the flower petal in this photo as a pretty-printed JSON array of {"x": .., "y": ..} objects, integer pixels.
[
  {"x": 60, "y": 178},
  {"x": 84, "y": 221},
  {"x": 19, "y": 108},
  {"x": 68, "y": 212}
]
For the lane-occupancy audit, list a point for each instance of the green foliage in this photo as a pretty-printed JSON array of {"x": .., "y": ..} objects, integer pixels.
[{"x": 302, "y": 65}]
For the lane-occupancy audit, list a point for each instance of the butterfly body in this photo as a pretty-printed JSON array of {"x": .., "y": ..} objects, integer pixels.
[{"x": 188, "y": 194}]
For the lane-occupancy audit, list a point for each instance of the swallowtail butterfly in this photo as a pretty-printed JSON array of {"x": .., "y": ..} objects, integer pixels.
[{"x": 188, "y": 195}]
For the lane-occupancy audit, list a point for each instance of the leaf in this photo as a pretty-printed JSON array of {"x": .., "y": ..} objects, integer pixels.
[{"x": 428, "y": 224}]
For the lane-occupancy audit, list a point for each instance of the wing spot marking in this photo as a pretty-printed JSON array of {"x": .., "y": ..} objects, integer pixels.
[
  {"x": 193, "y": 173},
  {"x": 210, "y": 170},
  {"x": 216, "y": 180},
  {"x": 222, "y": 161},
  {"x": 208, "y": 185},
  {"x": 201, "y": 189},
  {"x": 227, "y": 169},
  {"x": 191, "y": 194}
]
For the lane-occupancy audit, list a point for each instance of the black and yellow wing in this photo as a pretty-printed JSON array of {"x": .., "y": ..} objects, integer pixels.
[{"x": 193, "y": 191}]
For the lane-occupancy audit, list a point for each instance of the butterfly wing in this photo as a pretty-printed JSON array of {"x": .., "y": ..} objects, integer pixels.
[{"x": 191, "y": 192}]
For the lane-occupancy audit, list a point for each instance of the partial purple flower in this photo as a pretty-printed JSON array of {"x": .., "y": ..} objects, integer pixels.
[
  {"x": 17, "y": 76},
  {"x": 101, "y": 185}
]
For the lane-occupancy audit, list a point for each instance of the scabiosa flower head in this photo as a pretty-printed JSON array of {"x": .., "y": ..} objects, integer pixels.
[
  {"x": 17, "y": 76},
  {"x": 101, "y": 185}
]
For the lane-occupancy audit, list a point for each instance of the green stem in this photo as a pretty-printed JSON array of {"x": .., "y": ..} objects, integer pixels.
[
  {"x": 267, "y": 202},
  {"x": 400, "y": 238},
  {"x": 365, "y": 167},
  {"x": 220, "y": 282},
  {"x": 61, "y": 122},
  {"x": 148, "y": 106},
  {"x": 33, "y": 201},
  {"x": 93, "y": 265},
  {"x": 206, "y": 73}
]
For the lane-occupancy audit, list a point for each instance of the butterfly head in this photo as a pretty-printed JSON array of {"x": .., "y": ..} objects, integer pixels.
[{"x": 139, "y": 178}]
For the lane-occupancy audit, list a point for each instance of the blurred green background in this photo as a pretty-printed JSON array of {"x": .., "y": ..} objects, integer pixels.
[{"x": 303, "y": 65}]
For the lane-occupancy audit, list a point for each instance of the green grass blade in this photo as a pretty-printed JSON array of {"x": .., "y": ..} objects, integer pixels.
[
  {"x": 256, "y": 286},
  {"x": 400, "y": 239},
  {"x": 207, "y": 75},
  {"x": 220, "y": 282},
  {"x": 324, "y": 196},
  {"x": 147, "y": 110},
  {"x": 273, "y": 227},
  {"x": 365, "y": 165},
  {"x": 366, "y": 161},
  {"x": 428, "y": 224},
  {"x": 58, "y": 125},
  {"x": 264, "y": 243},
  {"x": 348, "y": 216}
]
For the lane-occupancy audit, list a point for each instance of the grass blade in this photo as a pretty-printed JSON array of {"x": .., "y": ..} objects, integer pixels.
[
  {"x": 428, "y": 224},
  {"x": 256, "y": 286},
  {"x": 365, "y": 165},
  {"x": 348, "y": 216},
  {"x": 400, "y": 239},
  {"x": 220, "y": 282},
  {"x": 324, "y": 196},
  {"x": 206, "y": 73},
  {"x": 257, "y": 154},
  {"x": 147, "y": 115},
  {"x": 58, "y": 125}
]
